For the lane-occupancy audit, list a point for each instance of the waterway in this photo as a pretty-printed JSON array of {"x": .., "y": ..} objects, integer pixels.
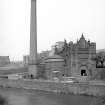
[{"x": 34, "y": 97}]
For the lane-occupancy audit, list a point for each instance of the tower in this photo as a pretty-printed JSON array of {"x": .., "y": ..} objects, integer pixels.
[{"x": 33, "y": 41}]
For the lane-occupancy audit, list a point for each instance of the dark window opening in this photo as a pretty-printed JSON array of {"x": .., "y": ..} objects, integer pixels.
[
  {"x": 100, "y": 64},
  {"x": 83, "y": 73}
]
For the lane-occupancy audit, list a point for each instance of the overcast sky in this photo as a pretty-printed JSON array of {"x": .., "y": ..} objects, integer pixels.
[{"x": 56, "y": 20}]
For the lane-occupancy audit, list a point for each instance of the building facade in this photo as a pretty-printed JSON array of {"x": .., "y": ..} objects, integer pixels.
[{"x": 77, "y": 59}]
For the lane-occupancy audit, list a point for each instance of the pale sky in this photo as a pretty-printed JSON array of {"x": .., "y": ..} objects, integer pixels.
[{"x": 56, "y": 20}]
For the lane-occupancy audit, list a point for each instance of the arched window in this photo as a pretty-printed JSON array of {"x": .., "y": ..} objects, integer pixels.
[
  {"x": 104, "y": 64},
  {"x": 99, "y": 64}
]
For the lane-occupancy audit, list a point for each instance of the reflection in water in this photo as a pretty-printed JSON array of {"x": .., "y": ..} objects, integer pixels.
[
  {"x": 17, "y": 100},
  {"x": 3, "y": 100},
  {"x": 32, "y": 97}
]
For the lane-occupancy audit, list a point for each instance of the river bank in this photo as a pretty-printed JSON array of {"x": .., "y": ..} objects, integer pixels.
[
  {"x": 87, "y": 88},
  {"x": 21, "y": 96}
]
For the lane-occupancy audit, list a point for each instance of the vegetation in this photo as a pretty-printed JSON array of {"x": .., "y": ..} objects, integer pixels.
[{"x": 100, "y": 59}]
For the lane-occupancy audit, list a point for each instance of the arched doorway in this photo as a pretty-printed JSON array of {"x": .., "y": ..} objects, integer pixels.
[{"x": 83, "y": 71}]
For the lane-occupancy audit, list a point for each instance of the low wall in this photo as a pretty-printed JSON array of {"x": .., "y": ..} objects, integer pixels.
[{"x": 74, "y": 88}]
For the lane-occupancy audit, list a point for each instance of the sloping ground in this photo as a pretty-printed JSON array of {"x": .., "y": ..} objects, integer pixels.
[{"x": 12, "y": 68}]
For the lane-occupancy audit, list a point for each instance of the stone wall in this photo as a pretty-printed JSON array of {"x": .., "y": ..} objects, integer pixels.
[
  {"x": 54, "y": 66},
  {"x": 91, "y": 88}
]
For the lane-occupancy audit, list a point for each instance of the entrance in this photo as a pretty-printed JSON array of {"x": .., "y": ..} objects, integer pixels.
[{"x": 83, "y": 72}]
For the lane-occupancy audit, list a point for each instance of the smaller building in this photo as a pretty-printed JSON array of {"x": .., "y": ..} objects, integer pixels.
[
  {"x": 14, "y": 76},
  {"x": 54, "y": 66},
  {"x": 4, "y": 60}
]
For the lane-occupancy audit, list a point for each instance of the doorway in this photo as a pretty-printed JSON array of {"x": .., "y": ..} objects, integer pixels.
[{"x": 83, "y": 72}]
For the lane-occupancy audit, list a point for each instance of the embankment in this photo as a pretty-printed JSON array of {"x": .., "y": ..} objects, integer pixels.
[{"x": 89, "y": 88}]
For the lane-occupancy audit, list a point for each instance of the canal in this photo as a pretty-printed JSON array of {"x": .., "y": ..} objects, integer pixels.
[{"x": 34, "y": 97}]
